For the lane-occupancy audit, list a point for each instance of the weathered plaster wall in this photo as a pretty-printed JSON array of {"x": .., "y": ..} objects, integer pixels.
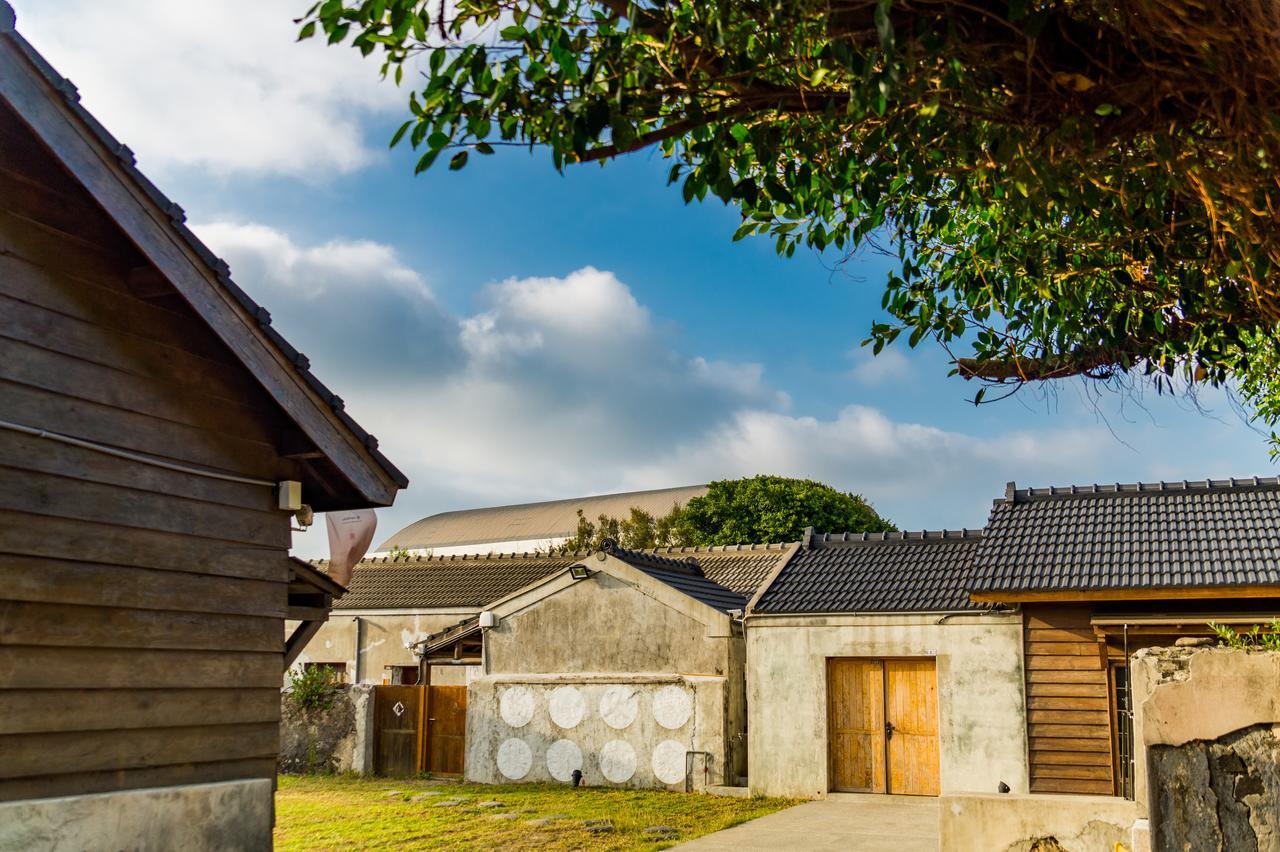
[
  {"x": 981, "y": 730},
  {"x": 603, "y": 677},
  {"x": 232, "y": 815},
  {"x": 383, "y": 637},
  {"x": 1026, "y": 823},
  {"x": 1208, "y": 726},
  {"x": 339, "y": 739},
  {"x": 602, "y": 625}
]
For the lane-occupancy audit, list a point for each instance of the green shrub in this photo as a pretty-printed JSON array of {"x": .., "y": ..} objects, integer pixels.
[
  {"x": 1255, "y": 638},
  {"x": 312, "y": 688}
]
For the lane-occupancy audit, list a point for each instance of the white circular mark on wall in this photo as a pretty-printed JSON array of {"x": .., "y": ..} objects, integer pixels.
[
  {"x": 567, "y": 706},
  {"x": 515, "y": 759},
  {"x": 668, "y": 762},
  {"x": 619, "y": 706},
  {"x": 672, "y": 707},
  {"x": 563, "y": 756},
  {"x": 516, "y": 706},
  {"x": 617, "y": 761}
]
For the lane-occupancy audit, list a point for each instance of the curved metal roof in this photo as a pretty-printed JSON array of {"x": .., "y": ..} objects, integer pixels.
[{"x": 554, "y": 519}]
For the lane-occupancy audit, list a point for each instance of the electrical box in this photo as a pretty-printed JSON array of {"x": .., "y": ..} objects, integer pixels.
[
  {"x": 289, "y": 495},
  {"x": 488, "y": 618}
]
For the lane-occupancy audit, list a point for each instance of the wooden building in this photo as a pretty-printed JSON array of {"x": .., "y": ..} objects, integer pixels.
[
  {"x": 148, "y": 414},
  {"x": 1101, "y": 571}
]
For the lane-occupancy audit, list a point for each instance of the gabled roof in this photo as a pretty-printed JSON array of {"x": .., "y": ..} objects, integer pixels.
[
  {"x": 875, "y": 572},
  {"x": 49, "y": 105},
  {"x": 683, "y": 575},
  {"x": 1141, "y": 536},
  {"x": 444, "y": 582},
  {"x": 552, "y": 519}
]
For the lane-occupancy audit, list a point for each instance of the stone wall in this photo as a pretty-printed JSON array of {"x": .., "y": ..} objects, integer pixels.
[
  {"x": 1208, "y": 724},
  {"x": 1035, "y": 822},
  {"x": 339, "y": 739}
]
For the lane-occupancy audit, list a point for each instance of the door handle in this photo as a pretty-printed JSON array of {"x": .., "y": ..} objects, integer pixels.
[{"x": 888, "y": 730}]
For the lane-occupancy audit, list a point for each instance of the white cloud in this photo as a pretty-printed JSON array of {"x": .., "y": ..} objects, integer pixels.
[
  {"x": 875, "y": 370},
  {"x": 564, "y": 386},
  {"x": 220, "y": 86}
]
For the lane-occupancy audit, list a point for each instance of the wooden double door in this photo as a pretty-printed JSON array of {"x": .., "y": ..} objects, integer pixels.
[
  {"x": 420, "y": 729},
  {"x": 883, "y": 725}
]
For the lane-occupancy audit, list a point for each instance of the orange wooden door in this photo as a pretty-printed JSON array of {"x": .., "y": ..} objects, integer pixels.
[
  {"x": 855, "y": 700},
  {"x": 911, "y": 709},
  {"x": 395, "y": 725},
  {"x": 446, "y": 729}
]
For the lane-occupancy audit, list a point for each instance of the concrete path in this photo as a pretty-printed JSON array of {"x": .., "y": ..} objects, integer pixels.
[{"x": 845, "y": 821}]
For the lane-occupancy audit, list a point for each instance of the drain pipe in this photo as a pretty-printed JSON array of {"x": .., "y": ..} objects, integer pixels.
[{"x": 688, "y": 769}]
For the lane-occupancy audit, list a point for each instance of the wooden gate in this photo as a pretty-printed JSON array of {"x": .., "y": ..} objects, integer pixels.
[
  {"x": 419, "y": 729},
  {"x": 883, "y": 726},
  {"x": 397, "y": 722},
  {"x": 446, "y": 730}
]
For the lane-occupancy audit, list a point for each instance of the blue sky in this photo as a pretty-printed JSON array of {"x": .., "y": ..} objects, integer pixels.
[{"x": 515, "y": 334}]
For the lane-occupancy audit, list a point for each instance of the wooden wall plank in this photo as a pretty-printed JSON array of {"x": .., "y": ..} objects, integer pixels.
[
  {"x": 128, "y": 351},
  {"x": 161, "y": 399},
  {"x": 84, "y": 751},
  {"x": 26, "y": 534},
  {"x": 95, "y": 584},
  {"x": 81, "y": 783},
  {"x": 25, "y": 667},
  {"x": 52, "y": 710},
  {"x": 29, "y": 452},
  {"x": 1068, "y": 709},
  {"x": 39, "y": 493},
  {"x": 63, "y": 626},
  {"x": 139, "y": 433}
]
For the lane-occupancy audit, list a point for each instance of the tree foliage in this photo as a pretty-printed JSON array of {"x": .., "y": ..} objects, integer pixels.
[
  {"x": 1071, "y": 187},
  {"x": 757, "y": 510}
]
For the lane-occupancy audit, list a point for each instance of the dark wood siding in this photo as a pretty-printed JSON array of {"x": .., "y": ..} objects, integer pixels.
[
  {"x": 1068, "y": 722},
  {"x": 141, "y": 609}
]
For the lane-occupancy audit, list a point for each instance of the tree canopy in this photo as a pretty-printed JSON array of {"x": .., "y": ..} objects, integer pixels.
[
  {"x": 755, "y": 510},
  {"x": 1069, "y": 187}
]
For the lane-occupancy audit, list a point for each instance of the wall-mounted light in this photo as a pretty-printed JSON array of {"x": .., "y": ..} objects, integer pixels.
[{"x": 579, "y": 572}]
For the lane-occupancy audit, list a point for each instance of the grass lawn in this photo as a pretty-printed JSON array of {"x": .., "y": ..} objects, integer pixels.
[{"x": 347, "y": 812}]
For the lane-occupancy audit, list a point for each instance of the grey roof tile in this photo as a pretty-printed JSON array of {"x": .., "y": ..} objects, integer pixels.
[
  {"x": 1205, "y": 533},
  {"x": 876, "y": 572},
  {"x": 683, "y": 575}
]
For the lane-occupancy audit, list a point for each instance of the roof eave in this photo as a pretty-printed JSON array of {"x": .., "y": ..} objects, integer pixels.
[
  {"x": 1124, "y": 594},
  {"x": 49, "y": 105}
]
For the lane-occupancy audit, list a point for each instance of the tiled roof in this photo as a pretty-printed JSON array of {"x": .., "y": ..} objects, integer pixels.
[
  {"x": 1216, "y": 532},
  {"x": 684, "y": 575},
  {"x": 740, "y": 567},
  {"x": 444, "y": 582},
  {"x": 177, "y": 224},
  {"x": 876, "y": 572}
]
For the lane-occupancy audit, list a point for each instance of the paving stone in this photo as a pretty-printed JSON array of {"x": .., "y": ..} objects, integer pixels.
[
  {"x": 391, "y": 793},
  {"x": 422, "y": 797},
  {"x": 598, "y": 826},
  {"x": 489, "y": 805},
  {"x": 528, "y": 810},
  {"x": 449, "y": 803},
  {"x": 504, "y": 816},
  {"x": 662, "y": 832}
]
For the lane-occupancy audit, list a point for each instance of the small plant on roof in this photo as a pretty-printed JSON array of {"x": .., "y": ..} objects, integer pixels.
[
  {"x": 1256, "y": 638},
  {"x": 313, "y": 688}
]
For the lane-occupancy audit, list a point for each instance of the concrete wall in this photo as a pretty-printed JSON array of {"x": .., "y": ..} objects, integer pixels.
[
  {"x": 981, "y": 725},
  {"x": 231, "y": 815},
  {"x": 1207, "y": 728},
  {"x": 1021, "y": 823},
  {"x": 611, "y": 679},
  {"x": 382, "y": 640},
  {"x": 602, "y": 625}
]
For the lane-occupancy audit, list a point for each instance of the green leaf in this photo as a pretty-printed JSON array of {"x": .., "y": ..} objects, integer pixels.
[
  {"x": 458, "y": 161},
  {"x": 884, "y": 28},
  {"x": 739, "y": 132},
  {"x": 307, "y": 31},
  {"x": 1106, "y": 109},
  {"x": 484, "y": 147},
  {"x": 399, "y": 134}
]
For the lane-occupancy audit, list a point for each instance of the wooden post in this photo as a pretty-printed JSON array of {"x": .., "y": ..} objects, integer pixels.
[{"x": 424, "y": 693}]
